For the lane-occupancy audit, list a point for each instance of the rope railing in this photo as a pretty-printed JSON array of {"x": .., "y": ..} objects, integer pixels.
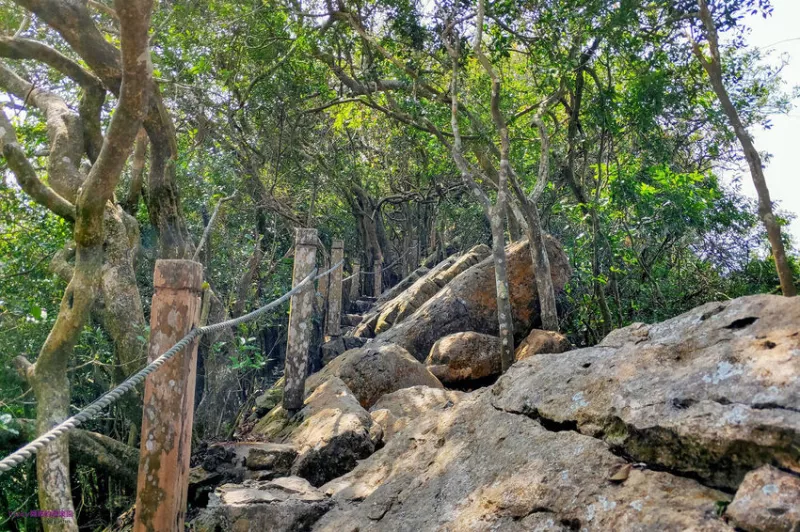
[{"x": 11, "y": 461}]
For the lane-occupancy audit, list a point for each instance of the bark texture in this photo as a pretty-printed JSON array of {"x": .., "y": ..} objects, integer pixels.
[
  {"x": 299, "y": 334},
  {"x": 713, "y": 67},
  {"x": 83, "y": 198}
]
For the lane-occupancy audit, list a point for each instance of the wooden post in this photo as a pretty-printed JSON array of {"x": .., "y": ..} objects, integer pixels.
[
  {"x": 300, "y": 311},
  {"x": 166, "y": 442},
  {"x": 355, "y": 283},
  {"x": 377, "y": 278},
  {"x": 334, "y": 322}
]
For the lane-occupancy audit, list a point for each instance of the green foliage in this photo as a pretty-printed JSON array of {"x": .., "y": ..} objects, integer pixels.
[{"x": 311, "y": 124}]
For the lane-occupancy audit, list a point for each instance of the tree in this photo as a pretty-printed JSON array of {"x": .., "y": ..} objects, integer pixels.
[
  {"x": 713, "y": 67},
  {"x": 90, "y": 193}
]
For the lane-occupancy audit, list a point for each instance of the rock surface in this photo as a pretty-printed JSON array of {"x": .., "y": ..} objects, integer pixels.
[
  {"x": 331, "y": 433},
  {"x": 375, "y": 370},
  {"x": 286, "y": 504},
  {"x": 767, "y": 501},
  {"x": 538, "y": 342},
  {"x": 427, "y": 286},
  {"x": 394, "y": 411},
  {"x": 713, "y": 393},
  {"x": 468, "y": 302},
  {"x": 269, "y": 459},
  {"x": 400, "y": 287},
  {"x": 474, "y": 468},
  {"x": 465, "y": 356},
  {"x": 335, "y": 347},
  {"x": 654, "y": 429},
  {"x": 269, "y": 399},
  {"x": 420, "y": 290}
]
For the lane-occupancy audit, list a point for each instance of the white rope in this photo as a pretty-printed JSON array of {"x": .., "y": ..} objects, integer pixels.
[{"x": 10, "y": 462}]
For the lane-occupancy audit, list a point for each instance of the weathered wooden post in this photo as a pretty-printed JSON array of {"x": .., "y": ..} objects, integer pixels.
[
  {"x": 166, "y": 441},
  {"x": 377, "y": 278},
  {"x": 300, "y": 311},
  {"x": 355, "y": 283},
  {"x": 334, "y": 323}
]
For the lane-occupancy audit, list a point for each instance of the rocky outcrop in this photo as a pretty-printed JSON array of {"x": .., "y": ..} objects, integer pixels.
[
  {"x": 473, "y": 467},
  {"x": 335, "y": 347},
  {"x": 400, "y": 287},
  {"x": 286, "y": 504},
  {"x": 468, "y": 302},
  {"x": 261, "y": 460},
  {"x": 268, "y": 400},
  {"x": 331, "y": 433},
  {"x": 375, "y": 370},
  {"x": 394, "y": 411},
  {"x": 421, "y": 291},
  {"x": 654, "y": 429},
  {"x": 464, "y": 357},
  {"x": 539, "y": 341},
  {"x": 767, "y": 501},
  {"x": 712, "y": 394},
  {"x": 351, "y": 320}
]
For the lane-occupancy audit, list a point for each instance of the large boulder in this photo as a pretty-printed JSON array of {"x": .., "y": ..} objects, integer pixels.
[
  {"x": 394, "y": 411},
  {"x": 331, "y": 433},
  {"x": 285, "y": 504},
  {"x": 335, "y": 347},
  {"x": 711, "y": 394},
  {"x": 473, "y": 467},
  {"x": 465, "y": 357},
  {"x": 375, "y": 370},
  {"x": 421, "y": 291},
  {"x": 469, "y": 303},
  {"x": 395, "y": 291},
  {"x": 767, "y": 501},
  {"x": 539, "y": 341}
]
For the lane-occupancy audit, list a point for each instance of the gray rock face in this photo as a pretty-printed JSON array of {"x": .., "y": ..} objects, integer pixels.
[
  {"x": 469, "y": 303},
  {"x": 333, "y": 348},
  {"x": 419, "y": 291},
  {"x": 713, "y": 393},
  {"x": 375, "y": 370},
  {"x": 465, "y": 356},
  {"x": 475, "y": 468},
  {"x": 331, "y": 433},
  {"x": 269, "y": 459},
  {"x": 274, "y": 458},
  {"x": 767, "y": 501},
  {"x": 351, "y": 320},
  {"x": 288, "y": 504},
  {"x": 652, "y": 430},
  {"x": 394, "y": 291},
  {"x": 427, "y": 286},
  {"x": 394, "y": 411}
]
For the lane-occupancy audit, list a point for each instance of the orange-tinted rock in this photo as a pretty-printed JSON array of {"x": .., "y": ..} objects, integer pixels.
[{"x": 539, "y": 341}]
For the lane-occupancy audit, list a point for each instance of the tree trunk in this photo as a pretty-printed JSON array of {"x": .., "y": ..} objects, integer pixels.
[
  {"x": 504, "y": 314},
  {"x": 541, "y": 266},
  {"x": 713, "y": 66}
]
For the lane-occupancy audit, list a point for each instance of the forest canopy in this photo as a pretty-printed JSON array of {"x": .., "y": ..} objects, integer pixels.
[{"x": 410, "y": 130}]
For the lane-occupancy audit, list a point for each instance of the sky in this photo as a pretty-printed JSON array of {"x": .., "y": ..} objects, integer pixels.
[{"x": 780, "y": 33}]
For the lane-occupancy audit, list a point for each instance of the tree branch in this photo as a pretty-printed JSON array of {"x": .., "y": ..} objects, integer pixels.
[
  {"x": 130, "y": 111},
  {"x": 19, "y": 48},
  {"x": 26, "y": 175}
]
